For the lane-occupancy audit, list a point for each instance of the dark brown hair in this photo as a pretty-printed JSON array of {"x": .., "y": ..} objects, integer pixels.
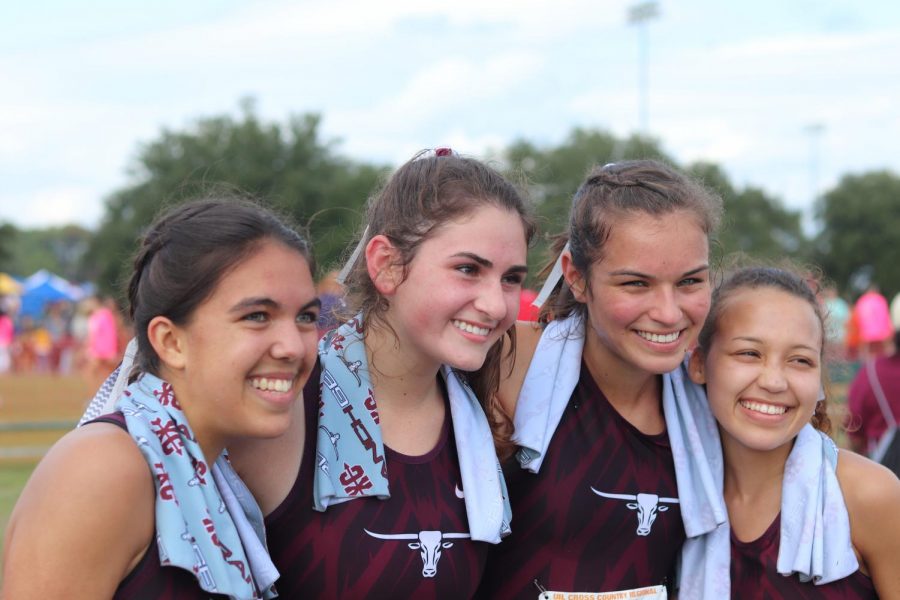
[
  {"x": 423, "y": 194},
  {"x": 186, "y": 252},
  {"x": 610, "y": 192},
  {"x": 784, "y": 278}
]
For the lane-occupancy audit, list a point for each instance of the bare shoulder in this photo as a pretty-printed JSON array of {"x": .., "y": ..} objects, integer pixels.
[
  {"x": 872, "y": 495},
  {"x": 866, "y": 485},
  {"x": 528, "y": 334},
  {"x": 83, "y": 520}
]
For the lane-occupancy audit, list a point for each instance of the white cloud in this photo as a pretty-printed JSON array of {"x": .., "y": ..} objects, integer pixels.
[
  {"x": 390, "y": 78},
  {"x": 52, "y": 206}
]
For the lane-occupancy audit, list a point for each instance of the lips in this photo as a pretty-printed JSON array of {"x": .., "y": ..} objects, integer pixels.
[
  {"x": 660, "y": 338},
  {"x": 271, "y": 384},
  {"x": 764, "y": 408},
  {"x": 470, "y": 328}
]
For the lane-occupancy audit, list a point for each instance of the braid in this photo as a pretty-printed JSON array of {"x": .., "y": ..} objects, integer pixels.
[{"x": 150, "y": 246}]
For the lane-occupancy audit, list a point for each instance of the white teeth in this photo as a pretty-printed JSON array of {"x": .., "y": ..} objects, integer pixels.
[
  {"x": 659, "y": 338},
  {"x": 271, "y": 385},
  {"x": 471, "y": 328},
  {"x": 767, "y": 409}
]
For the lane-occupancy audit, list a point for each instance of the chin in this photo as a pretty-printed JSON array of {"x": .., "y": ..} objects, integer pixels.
[
  {"x": 662, "y": 365},
  {"x": 466, "y": 363},
  {"x": 273, "y": 427}
]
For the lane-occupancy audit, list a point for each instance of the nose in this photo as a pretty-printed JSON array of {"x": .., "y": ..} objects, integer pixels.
[
  {"x": 292, "y": 343},
  {"x": 666, "y": 308},
  {"x": 772, "y": 378},
  {"x": 492, "y": 301}
]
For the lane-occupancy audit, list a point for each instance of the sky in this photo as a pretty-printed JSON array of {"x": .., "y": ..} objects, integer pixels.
[{"x": 786, "y": 95}]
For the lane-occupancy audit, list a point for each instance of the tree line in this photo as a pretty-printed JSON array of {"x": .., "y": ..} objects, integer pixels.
[{"x": 289, "y": 166}]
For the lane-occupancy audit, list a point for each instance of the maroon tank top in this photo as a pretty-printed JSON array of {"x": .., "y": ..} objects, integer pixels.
[
  {"x": 754, "y": 574},
  {"x": 602, "y": 513},
  {"x": 413, "y": 545},
  {"x": 149, "y": 580}
]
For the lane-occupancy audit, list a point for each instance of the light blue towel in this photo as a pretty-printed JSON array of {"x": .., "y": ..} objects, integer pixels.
[
  {"x": 697, "y": 451},
  {"x": 194, "y": 527},
  {"x": 350, "y": 459},
  {"x": 811, "y": 497},
  {"x": 239, "y": 502}
]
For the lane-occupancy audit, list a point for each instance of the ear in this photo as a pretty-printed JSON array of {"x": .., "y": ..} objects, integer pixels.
[
  {"x": 574, "y": 279},
  {"x": 696, "y": 367},
  {"x": 381, "y": 262},
  {"x": 168, "y": 341}
]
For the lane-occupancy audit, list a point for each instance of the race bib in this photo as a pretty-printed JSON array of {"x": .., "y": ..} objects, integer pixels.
[{"x": 654, "y": 592}]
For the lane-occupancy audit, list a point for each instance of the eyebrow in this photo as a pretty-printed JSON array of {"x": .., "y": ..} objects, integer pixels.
[
  {"x": 626, "y": 272},
  {"x": 488, "y": 264},
  {"x": 248, "y": 303},
  {"x": 746, "y": 338}
]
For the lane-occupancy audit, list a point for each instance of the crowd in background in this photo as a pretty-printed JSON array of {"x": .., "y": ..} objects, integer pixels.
[{"x": 85, "y": 337}]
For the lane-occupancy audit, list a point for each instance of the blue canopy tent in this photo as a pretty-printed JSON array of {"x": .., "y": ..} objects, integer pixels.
[{"x": 41, "y": 289}]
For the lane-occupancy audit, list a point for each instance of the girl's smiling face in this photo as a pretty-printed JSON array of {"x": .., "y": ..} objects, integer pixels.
[
  {"x": 648, "y": 296},
  {"x": 460, "y": 292},
  {"x": 246, "y": 351},
  {"x": 763, "y": 367}
]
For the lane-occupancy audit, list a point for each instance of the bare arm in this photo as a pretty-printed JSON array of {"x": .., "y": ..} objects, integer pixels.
[
  {"x": 514, "y": 368},
  {"x": 84, "y": 519},
  {"x": 872, "y": 495}
]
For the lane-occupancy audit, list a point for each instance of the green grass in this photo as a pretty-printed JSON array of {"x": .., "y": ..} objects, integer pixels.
[{"x": 12, "y": 480}]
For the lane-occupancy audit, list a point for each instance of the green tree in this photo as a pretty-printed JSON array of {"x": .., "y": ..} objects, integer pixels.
[
  {"x": 284, "y": 165},
  {"x": 860, "y": 220},
  {"x": 57, "y": 249},
  {"x": 754, "y": 223},
  {"x": 8, "y": 234},
  {"x": 552, "y": 175}
]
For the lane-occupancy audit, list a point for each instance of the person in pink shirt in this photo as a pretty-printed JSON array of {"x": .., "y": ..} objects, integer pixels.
[
  {"x": 7, "y": 334},
  {"x": 874, "y": 322},
  {"x": 101, "y": 345}
]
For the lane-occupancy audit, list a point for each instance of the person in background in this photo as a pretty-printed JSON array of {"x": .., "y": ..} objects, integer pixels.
[
  {"x": 866, "y": 422},
  {"x": 895, "y": 315},
  {"x": 7, "y": 337},
  {"x": 527, "y": 310},
  {"x": 101, "y": 343},
  {"x": 331, "y": 293},
  {"x": 873, "y": 320},
  {"x": 837, "y": 313}
]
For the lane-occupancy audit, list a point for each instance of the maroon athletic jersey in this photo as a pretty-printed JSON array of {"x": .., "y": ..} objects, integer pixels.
[
  {"x": 754, "y": 574},
  {"x": 413, "y": 545},
  {"x": 150, "y": 580},
  {"x": 601, "y": 515}
]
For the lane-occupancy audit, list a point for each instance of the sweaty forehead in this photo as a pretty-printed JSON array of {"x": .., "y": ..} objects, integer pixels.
[{"x": 673, "y": 243}]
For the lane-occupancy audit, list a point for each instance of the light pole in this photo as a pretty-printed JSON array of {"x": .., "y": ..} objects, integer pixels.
[
  {"x": 639, "y": 14},
  {"x": 814, "y": 131}
]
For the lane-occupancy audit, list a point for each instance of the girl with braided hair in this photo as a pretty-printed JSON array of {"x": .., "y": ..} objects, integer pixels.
[
  {"x": 132, "y": 504},
  {"x": 597, "y": 389}
]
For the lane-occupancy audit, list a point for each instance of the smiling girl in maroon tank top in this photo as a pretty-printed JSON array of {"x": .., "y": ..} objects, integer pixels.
[{"x": 760, "y": 357}]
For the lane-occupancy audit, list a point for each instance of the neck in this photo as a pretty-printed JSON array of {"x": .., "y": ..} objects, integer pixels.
[
  {"x": 210, "y": 443},
  {"x": 398, "y": 380},
  {"x": 753, "y": 475},
  {"x": 634, "y": 393}
]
